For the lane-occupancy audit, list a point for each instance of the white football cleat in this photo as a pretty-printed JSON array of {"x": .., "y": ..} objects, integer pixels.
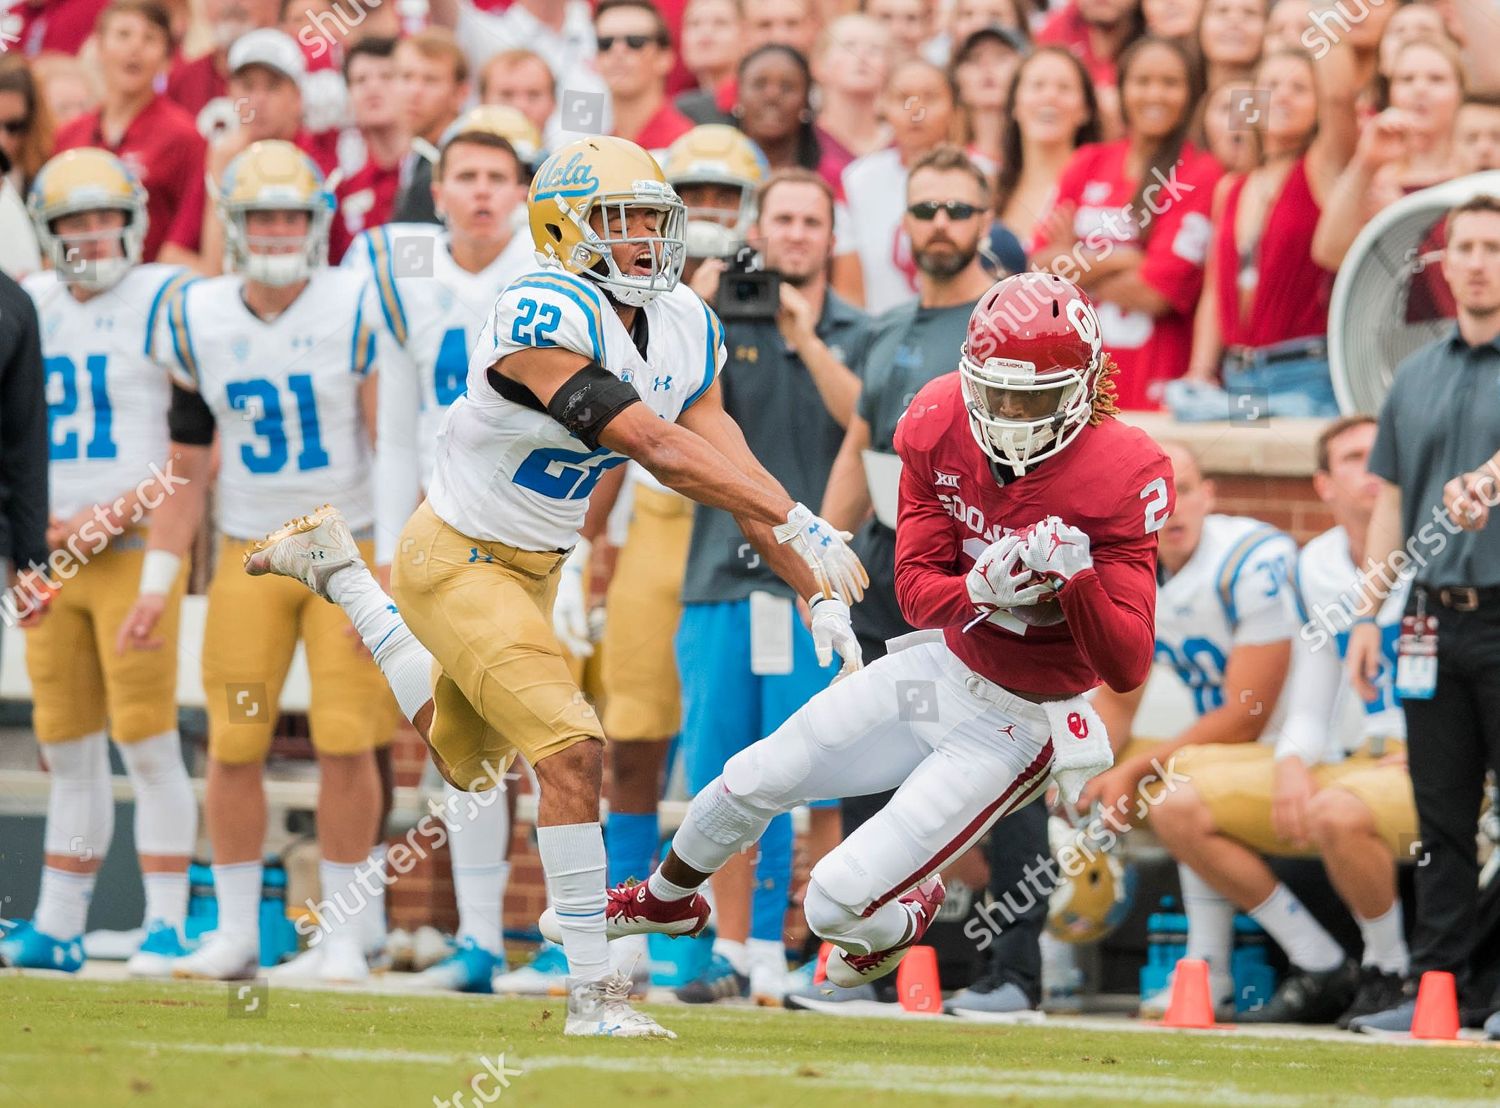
[
  {"x": 223, "y": 956},
  {"x": 603, "y": 1008},
  {"x": 326, "y": 964},
  {"x": 310, "y": 549}
]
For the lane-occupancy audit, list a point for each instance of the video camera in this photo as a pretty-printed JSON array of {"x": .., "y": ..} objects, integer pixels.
[{"x": 746, "y": 291}]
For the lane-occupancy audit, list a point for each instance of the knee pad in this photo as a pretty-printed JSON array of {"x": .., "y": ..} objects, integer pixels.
[
  {"x": 80, "y": 803},
  {"x": 166, "y": 811},
  {"x": 718, "y": 824},
  {"x": 838, "y": 892}
]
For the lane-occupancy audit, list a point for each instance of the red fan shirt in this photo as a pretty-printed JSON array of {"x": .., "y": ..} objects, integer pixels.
[{"x": 1149, "y": 350}]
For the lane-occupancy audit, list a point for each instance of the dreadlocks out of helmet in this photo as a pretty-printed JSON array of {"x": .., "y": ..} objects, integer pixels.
[{"x": 1104, "y": 393}]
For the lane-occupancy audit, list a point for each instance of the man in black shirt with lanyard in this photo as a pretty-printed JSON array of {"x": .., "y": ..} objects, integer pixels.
[
  {"x": 1436, "y": 452},
  {"x": 948, "y": 201}
]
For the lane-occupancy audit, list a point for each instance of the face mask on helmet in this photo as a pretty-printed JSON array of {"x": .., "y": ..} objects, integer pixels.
[
  {"x": 265, "y": 258},
  {"x": 79, "y": 261},
  {"x": 1019, "y": 416},
  {"x": 717, "y": 218},
  {"x": 654, "y": 264}
]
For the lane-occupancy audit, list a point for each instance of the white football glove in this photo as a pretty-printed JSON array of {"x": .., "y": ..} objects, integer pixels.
[
  {"x": 1080, "y": 745},
  {"x": 1056, "y": 551},
  {"x": 570, "y": 611},
  {"x": 832, "y": 632},
  {"x": 1000, "y": 580},
  {"x": 825, "y": 549}
]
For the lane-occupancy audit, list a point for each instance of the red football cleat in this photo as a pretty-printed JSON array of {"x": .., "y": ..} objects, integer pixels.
[
  {"x": 632, "y": 910},
  {"x": 850, "y": 970}
]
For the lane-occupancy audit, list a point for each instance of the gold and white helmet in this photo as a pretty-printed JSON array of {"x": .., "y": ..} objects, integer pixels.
[
  {"x": 1095, "y": 889},
  {"x": 504, "y": 122},
  {"x": 613, "y": 175},
  {"x": 715, "y": 154},
  {"x": 274, "y": 176},
  {"x": 87, "y": 180}
]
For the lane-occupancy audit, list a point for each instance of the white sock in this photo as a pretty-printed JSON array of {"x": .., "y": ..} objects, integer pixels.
[
  {"x": 1385, "y": 941},
  {"x": 765, "y": 952},
  {"x": 346, "y": 900},
  {"x": 479, "y": 839},
  {"x": 405, "y": 662},
  {"x": 1303, "y": 939},
  {"x": 166, "y": 897},
  {"x": 573, "y": 862},
  {"x": 372, "y": 924},
  {"x": 734, "y": 952},
  {"x": 237, "y": 889},
  {"x": 663, "y": 889},
  {"x": 62, "y": 908},
  {"x": 1210, "y": 929}
]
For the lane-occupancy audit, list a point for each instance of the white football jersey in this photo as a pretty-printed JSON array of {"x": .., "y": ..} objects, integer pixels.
[
  {"x": 1232, "y": 592},
  {"x": 107, "y": 400},
  {"x": 431, "y": 311},
  {"x": 508, "y": 473},
  {"x": 285, "y": 395},
  {"x": 1323, "y": 583}
]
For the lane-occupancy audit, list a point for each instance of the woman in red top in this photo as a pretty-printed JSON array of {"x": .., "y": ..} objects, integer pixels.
[
  {"x": 1130, "y": 222},
  {"x": 1264, "y": 314}
]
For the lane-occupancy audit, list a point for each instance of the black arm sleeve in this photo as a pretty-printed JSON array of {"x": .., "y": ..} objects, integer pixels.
[
  {"x": 23, "y": 431},
  {"x": 190, "y": 420},
  {"x": 589, "y": 400}
]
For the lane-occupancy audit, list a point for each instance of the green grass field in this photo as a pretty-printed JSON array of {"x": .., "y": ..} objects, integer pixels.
[{"x": 92, "y": 1043}]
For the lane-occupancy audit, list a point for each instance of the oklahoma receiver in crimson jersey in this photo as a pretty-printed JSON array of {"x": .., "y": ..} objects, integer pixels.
[
  {"x": 1022, "y": 499},
  {"x": 1112, "y": 482}
]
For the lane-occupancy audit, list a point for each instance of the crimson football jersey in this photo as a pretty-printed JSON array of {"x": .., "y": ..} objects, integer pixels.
[{"x": 1112, "y": 482}]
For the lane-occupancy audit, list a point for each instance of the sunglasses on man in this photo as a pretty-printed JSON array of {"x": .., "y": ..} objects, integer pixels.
[
  {"x": 927, "y": 210},
  {"x": 633, "y": 42}
]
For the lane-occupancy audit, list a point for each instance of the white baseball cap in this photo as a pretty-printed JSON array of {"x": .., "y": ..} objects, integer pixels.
[{"x": 271, "y": 48}]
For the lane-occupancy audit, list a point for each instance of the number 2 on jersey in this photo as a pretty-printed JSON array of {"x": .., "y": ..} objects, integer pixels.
[
  {"x": 260, "y": 398},
  {"x": 62, "y": 402},
  {"x": 1155, "y": 496},
  {"x": 536, "y": 324}
]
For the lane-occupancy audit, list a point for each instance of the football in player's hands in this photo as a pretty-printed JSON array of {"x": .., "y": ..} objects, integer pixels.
[{"x": 1055, "y": 551}]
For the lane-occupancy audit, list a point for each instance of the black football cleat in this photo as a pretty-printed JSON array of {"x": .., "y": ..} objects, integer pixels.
[{"x": 1309, "y": 997}]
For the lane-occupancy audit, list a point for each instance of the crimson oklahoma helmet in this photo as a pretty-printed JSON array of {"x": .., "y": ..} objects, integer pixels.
[{"x": 1030, "y": 367}]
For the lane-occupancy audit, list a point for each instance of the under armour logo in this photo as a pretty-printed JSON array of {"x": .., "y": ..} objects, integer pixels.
[{"x": 659, "y": 384}]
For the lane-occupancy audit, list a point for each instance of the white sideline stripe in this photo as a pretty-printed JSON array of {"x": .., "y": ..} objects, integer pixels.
[{"x": 981, "y": 1082}]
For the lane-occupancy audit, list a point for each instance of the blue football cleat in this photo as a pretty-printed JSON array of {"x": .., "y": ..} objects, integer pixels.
[
  {"x": 720, "y": 981},
  {"x": 24, "y": 947},
  {"x": 469, "y": 969},
  {"x": 546, "y": 975},
  {"x": 159, "y": 948}
]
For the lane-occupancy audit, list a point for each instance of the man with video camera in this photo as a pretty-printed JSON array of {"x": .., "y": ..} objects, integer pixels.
[{"x": 746, "y": 659}]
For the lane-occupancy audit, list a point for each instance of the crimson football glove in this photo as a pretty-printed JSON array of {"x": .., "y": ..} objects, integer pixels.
[{"x": 1055, "y": 551}]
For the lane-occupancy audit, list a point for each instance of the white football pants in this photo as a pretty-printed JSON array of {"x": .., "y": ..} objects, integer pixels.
[{"x": 963, "y": 750}]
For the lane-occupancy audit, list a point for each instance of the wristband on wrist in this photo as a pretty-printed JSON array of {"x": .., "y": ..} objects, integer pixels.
[
  {"x": 159, "y": 572},
  {"x": 1361, "y": 619}
]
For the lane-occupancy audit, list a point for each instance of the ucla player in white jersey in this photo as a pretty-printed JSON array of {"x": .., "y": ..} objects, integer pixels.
[
  {"x": 1330, "y": 789},
  {"x": 598, "y": 357},
  {"x": 107, "y": 403},
  {"x": 1225, "y": 622},
  {"x": 431, "y": 291},
  {"x": 277, "y": 360}
]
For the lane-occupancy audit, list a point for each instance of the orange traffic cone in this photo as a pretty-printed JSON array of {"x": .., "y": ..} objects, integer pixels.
[
  {"x": 820, "y": 974},
  {"x": 917, "y": 982},
  {"x": 1437, "y": 1007},
  {"x": 1191, "y": 1005}
]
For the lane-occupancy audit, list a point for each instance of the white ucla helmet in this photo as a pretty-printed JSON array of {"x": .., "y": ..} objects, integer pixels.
[
  {"x": 87, "y": 180},
  {"x": 274, "y": 176}
]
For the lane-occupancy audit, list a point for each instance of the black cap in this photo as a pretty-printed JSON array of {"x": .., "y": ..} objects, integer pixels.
[{"x": 1006, "y": 36}]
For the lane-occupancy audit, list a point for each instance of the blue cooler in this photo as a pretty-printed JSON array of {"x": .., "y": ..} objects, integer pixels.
[{"x": 278, "y": 936}]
